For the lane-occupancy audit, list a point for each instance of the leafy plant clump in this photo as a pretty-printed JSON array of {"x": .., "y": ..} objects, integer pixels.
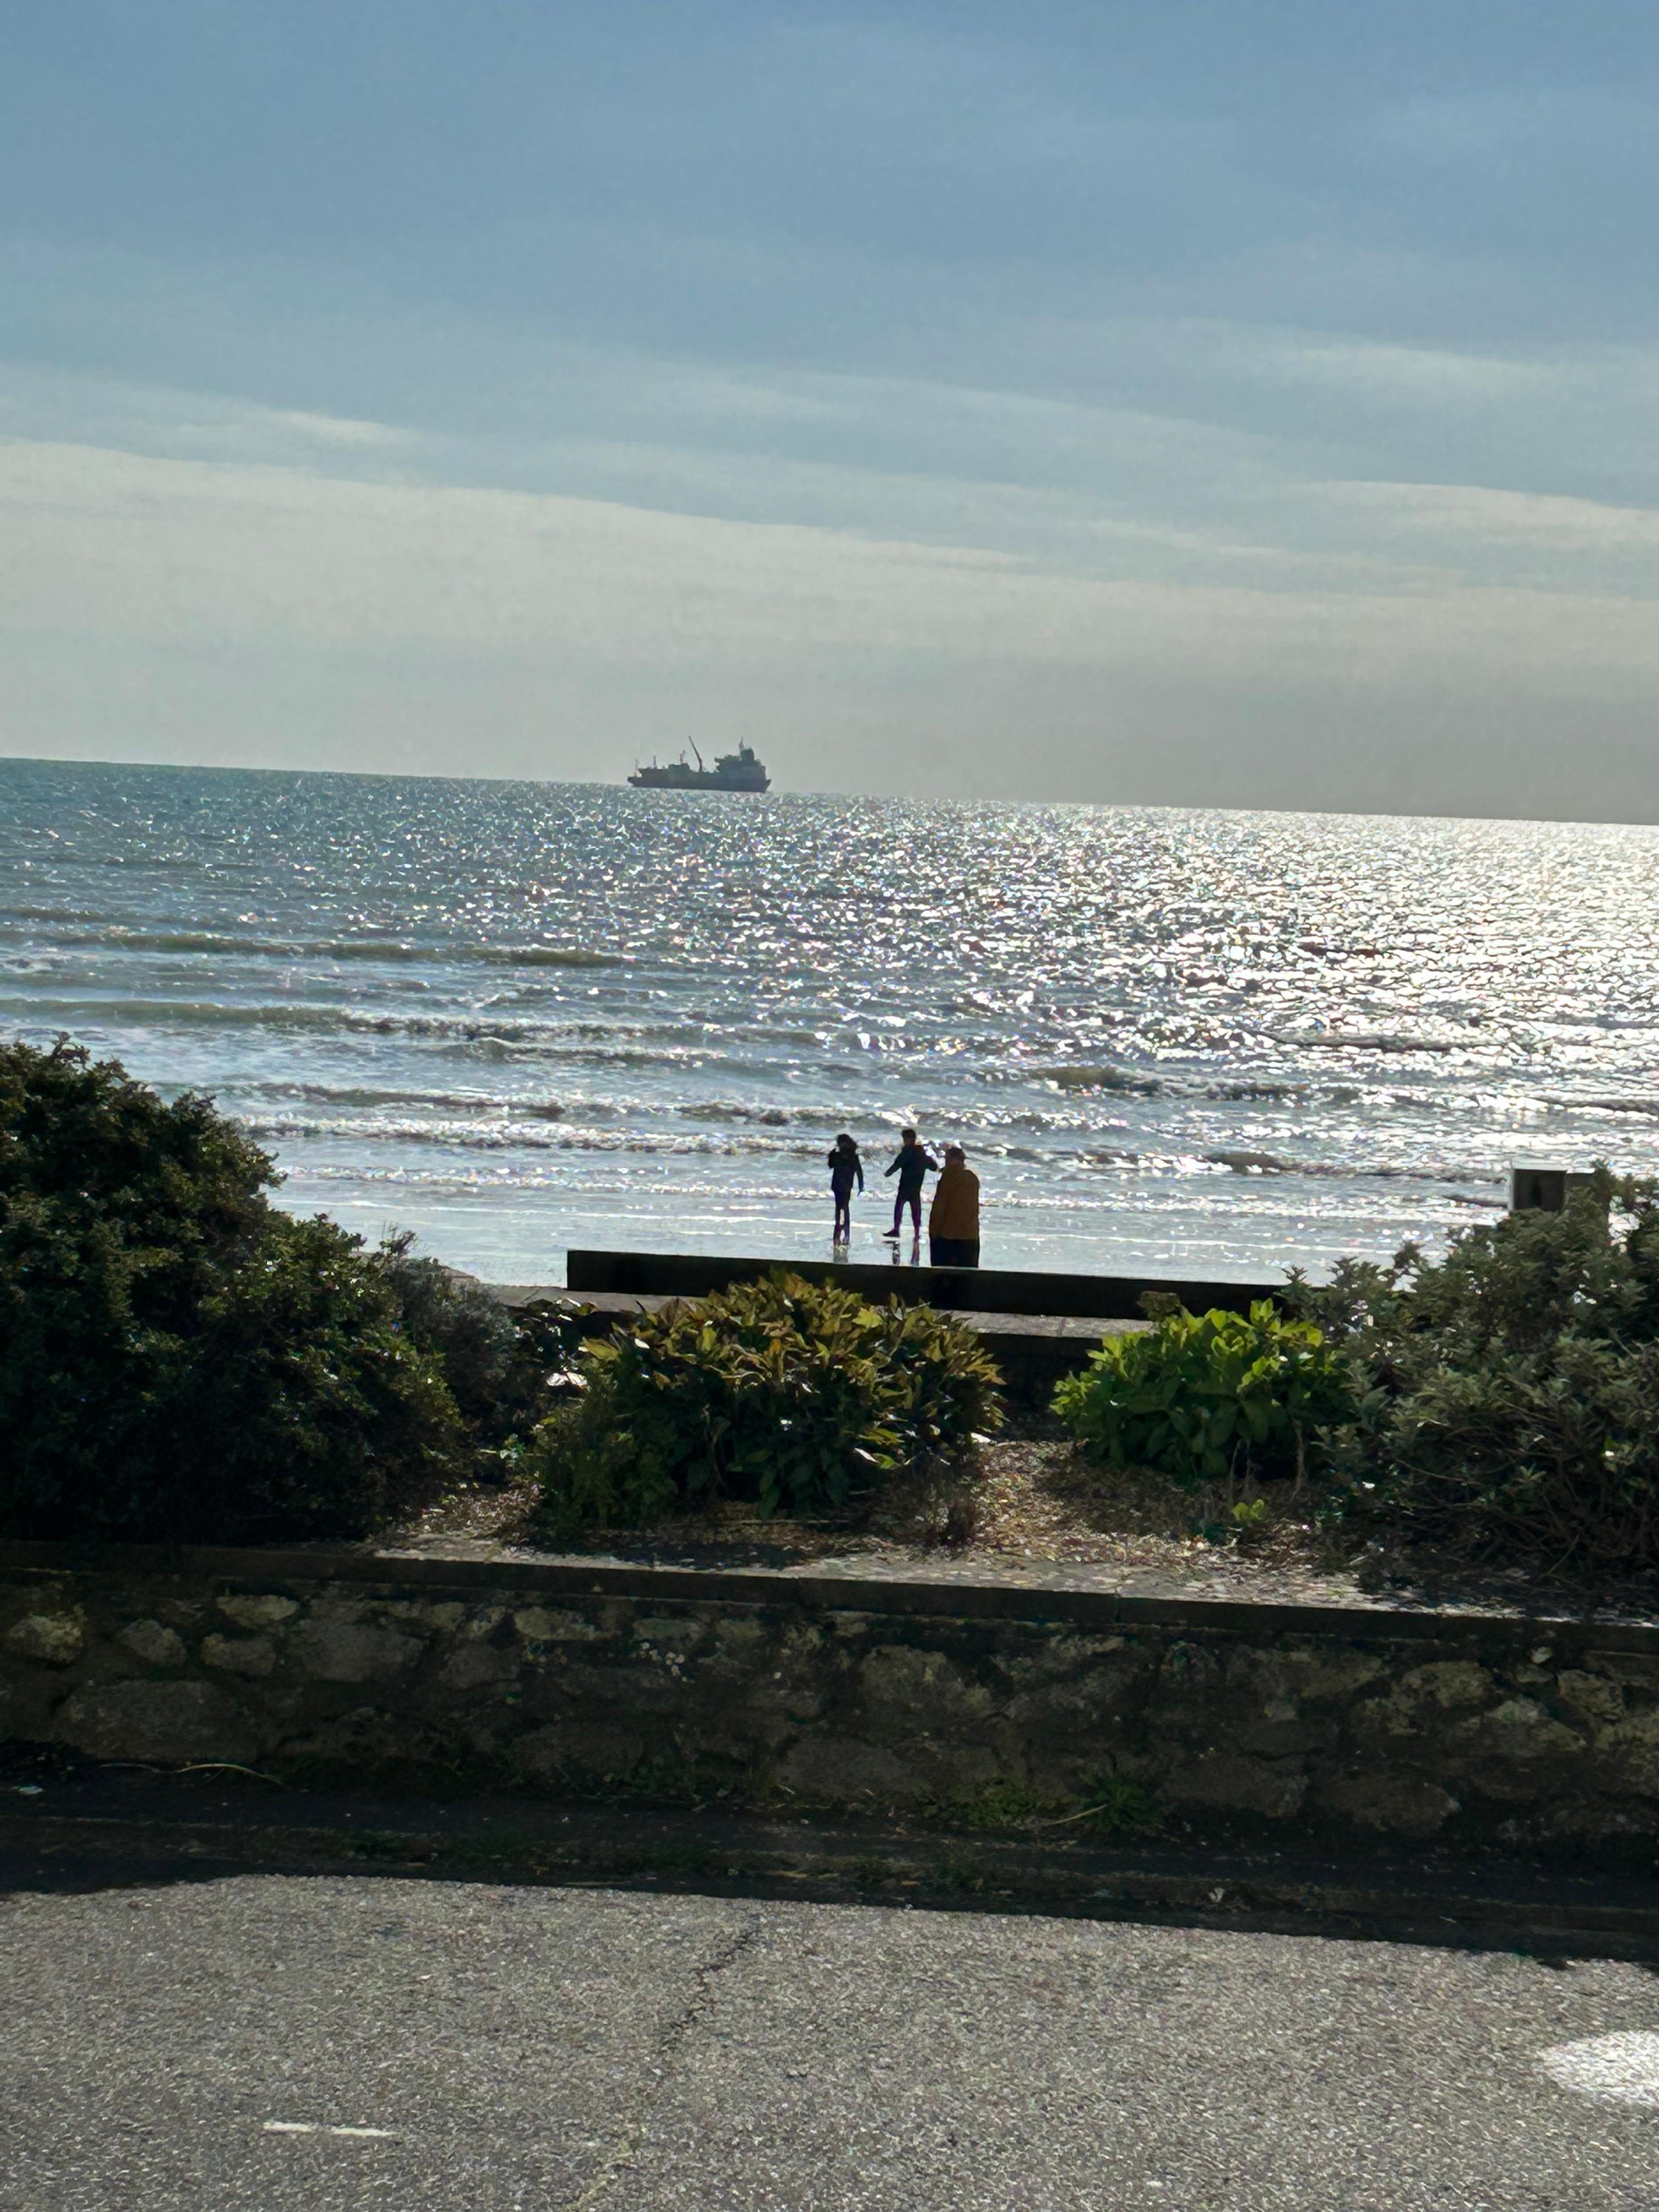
[
  {"x": 1506, "y": 1397},
  {"x": 501, "y": 1362},
  {"x": 790, "y": 1394},
  {"x": 1107, "y": 1803},
  {"x": 178, "y": 1360},
  {"x": 1202, "y": 1396}
]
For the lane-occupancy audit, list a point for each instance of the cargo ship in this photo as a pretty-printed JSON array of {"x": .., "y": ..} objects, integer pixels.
[{"x": 737, "y": 771}]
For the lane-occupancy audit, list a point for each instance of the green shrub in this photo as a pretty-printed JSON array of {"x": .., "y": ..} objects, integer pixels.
[
  {"x": 1114, "y": 1806},
  {"x": 457, "y": 1320},
  {"x": 1199, "y": 1397},
  {"x": 1106, "y": 1803},
  {"x": 178, "y": 1359},
  {"x": 785, "y": 1392},
  {"x": 1507, "y": 1396},
  {"x": 502, "y": 1362}
]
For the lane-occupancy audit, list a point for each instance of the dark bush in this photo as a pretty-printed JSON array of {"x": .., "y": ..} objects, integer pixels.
[
  {"x": 1202, "y": 1396},
  {"x": 499, "y": 1359},
  {"x": 457, "y": 1320},
  {"x": 1507, "y": 1396},
  {"x": 179, "y": 1359},
  {"x": 786, "y": 1391}
]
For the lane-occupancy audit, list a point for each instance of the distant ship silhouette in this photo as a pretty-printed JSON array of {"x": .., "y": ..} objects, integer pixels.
[{"x": 737, "y": 771}]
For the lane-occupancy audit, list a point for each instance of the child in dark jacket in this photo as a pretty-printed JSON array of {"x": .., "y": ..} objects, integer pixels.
[
  {"x": 846, "y": 1168},
  {"x": 911, "y": 1163}
]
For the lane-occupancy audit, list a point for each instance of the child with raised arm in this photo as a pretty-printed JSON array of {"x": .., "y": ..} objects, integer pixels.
[
  {"x": 846, "y": 1168},
  {"x": 911, "y": 1163}
]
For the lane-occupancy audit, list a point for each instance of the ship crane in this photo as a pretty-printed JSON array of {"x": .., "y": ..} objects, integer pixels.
[{"x": 738, "y": 771}]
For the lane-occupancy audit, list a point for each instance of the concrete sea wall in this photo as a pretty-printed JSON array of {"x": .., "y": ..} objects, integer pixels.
[
  {"x": 952, "y": 1289},
  {"x": 1032, "y": 1350},
  {"x": 1277, "y": 1720}
]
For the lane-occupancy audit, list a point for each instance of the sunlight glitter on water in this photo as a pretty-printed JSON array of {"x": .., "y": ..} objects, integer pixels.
[{"x": 515, "y": 1017}]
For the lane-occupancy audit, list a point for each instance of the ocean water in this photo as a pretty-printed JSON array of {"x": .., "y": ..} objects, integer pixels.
[{"x": 517, "y": 1016}]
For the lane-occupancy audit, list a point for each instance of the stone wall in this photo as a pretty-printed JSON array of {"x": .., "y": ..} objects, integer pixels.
[{"x": 1276, "y": 1719}]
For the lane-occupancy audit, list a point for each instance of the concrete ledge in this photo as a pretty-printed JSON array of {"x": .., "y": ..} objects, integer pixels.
[
  {"x": 979, "y": 1290},
  {"x": 989, "y": 1600},
  {"x": 1032, "y": 1349}
]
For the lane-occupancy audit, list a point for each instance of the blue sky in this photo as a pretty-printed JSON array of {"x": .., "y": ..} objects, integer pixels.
[{"x": 1244, "y": 403}]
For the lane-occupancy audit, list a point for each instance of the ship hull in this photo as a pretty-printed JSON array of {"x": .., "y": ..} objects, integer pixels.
[{"x": 691, "y": 779}]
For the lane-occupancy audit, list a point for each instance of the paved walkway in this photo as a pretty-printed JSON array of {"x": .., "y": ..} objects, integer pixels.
[{"x": 277, "y": 2043}]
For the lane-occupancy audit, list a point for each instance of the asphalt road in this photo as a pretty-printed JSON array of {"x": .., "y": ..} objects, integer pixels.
[{"x": 279, "y": 2042}]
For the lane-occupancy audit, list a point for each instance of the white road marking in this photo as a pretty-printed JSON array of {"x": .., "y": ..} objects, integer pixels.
[
  {"x": 316, "y": 2128},
  {"x": 1613, "y": 2069}
]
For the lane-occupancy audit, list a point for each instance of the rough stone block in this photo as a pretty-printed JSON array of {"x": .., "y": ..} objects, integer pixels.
[
  {"x": 1187, "y": 1665},
  {"x": 163, "y": 1721},
  {"x": 739, "y": 1642},
  {"x": 1278, "y": 1730},
  {"x": 1520, "y": 1729},
  {"x": 840, "y": 1770},
  {"x": 1630, "y": 1748},
  {"x": 910, "y": 1693},
  {"x": 1231, "y": 1782},
  {"x": 1592, "y": 1697},
  {"x": 1451, "y": 1684},
  {"x": 1339, "y": 1674},
  {"x": 1042, "y": 1658},
  {"x": 1421, "y": 1700},
  {"x": 578, "y": 1747},
  {"x": 336, "y": 1648},
  {"x": 476, "y": 1666},
  {"x": 366, "y": 1737},
  {"x": 544, "y": 1623},
  {"x": 54, "y": 1638},
  {"x": 1391, "y": 1804},
  {"x": 1186, "y": 1688},
  {"x": 239, "y": 1655},
  {"x": 631, "y": 1688},
  {"x": 156, "y": 1645},
  {"x": 1298, "y": 1675},
  {"x": 1516, "y": 1754},
  {"x": 256, "y": 1610},
  {"x": 1094, "y": 1706},
  {"x": 670, "y": 1631},
  {"x": 29, "y": 1697},
  {"x": 443, "y": 1614},
  {"x": 1636, "y": 1669}
]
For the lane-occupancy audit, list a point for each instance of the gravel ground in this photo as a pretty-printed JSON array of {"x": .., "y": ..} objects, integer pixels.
[{"x": 1030, "y": 1511}]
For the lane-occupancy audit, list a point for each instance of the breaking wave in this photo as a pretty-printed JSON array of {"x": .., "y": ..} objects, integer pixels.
[
  {"x": 1135, "y": 1015},
  {"x": 391, "y": 951},
  {"x": 1090, "y": 1075}
]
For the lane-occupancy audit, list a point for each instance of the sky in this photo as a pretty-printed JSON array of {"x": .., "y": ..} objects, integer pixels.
[{"x": 1238, "y": 402}]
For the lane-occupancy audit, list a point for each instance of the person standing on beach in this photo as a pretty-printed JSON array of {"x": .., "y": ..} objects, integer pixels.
[
  {"x": 846, "y": 1168},
  {"x": 910, "y": 1164},
  {"x": 953, "y": 1217}
]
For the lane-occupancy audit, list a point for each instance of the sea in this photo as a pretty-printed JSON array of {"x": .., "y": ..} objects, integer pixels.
[{"x": 514, "y": 1017}]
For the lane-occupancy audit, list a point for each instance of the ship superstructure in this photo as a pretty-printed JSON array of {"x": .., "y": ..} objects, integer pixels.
[{"x": 737, "y": 771}]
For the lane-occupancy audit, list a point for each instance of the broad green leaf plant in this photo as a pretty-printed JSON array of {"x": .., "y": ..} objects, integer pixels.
[
  {"x": 1199, "y": 1397},
  {"x": 790, "y": 1394}
]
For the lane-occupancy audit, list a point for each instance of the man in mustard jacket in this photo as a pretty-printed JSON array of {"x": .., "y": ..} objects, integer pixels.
[{"x": 953, "y": 1217}]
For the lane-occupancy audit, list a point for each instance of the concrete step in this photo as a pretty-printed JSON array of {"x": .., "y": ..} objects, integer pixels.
[
  {"x": 952, "y": 1290},
  {"x": 1032, "y": 1349}
]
